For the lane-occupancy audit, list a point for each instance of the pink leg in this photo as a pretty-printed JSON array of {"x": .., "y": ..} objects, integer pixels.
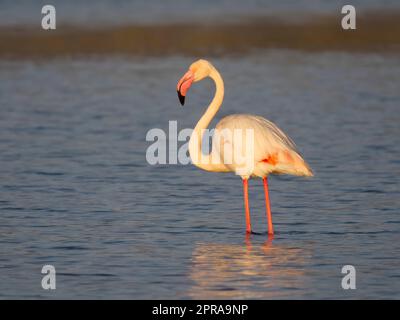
[
  {"x": 246, "y": 204},
  {"x": 268, "y": 207}
]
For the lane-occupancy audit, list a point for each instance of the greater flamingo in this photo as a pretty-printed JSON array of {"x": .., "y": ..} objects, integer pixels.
[{"x": 272, "y": 152}]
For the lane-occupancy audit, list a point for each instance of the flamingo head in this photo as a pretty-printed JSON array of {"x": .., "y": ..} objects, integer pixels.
[{"x": 197, "y": 71}]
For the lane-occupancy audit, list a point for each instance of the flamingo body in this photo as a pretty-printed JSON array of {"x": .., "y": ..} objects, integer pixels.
[{"x": 273, "y": 151}]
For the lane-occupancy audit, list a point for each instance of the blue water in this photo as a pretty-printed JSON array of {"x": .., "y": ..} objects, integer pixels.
[{"x": 76, "y": 191}]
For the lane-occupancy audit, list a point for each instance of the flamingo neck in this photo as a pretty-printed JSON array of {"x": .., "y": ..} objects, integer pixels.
[{"x": 207, "y": 162}]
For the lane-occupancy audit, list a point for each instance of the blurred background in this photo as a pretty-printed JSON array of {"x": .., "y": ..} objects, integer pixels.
[
  {"x": 194, "y": 27},
  {"x": 76, "y": 191}
]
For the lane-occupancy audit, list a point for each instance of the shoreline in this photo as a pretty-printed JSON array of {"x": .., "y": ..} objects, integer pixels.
[{"x": 376, "y": 32}]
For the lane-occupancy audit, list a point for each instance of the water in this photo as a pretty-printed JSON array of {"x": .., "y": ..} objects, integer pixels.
[
  {"x": 77, "y": 192},
  {"x": 117, "y": 12}
]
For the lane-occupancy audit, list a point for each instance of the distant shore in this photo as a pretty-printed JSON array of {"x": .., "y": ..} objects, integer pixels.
[{"x": 375, "y": 32}]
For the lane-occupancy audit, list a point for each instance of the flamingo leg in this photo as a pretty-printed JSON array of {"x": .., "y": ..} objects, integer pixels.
[
  {"x": 246, "y": 204},
  {"x": 268, "y": 207}
]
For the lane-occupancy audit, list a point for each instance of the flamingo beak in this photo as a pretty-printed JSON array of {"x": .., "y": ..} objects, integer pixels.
[{"x": 184, "y": 85}]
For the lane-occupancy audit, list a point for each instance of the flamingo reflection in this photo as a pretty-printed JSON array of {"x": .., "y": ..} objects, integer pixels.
[{"x": 255, "y": 270}]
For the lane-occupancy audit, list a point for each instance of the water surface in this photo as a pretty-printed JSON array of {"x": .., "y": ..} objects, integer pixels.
[
  {"x": 122, "y": 12},
  {"x": 77, "y": 191}
]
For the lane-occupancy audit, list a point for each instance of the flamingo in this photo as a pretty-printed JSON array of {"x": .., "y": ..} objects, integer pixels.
[{"x": 273, "y": 152}]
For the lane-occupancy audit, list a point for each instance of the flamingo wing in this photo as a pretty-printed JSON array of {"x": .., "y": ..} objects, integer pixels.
[{"x": 273, "y": 150}]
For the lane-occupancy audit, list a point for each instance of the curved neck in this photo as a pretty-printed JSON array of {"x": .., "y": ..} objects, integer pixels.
[{"x": 208, "y": 162}]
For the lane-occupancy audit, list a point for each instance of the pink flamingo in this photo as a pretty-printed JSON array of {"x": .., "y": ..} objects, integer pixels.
[{"x": 272, "y": 151}]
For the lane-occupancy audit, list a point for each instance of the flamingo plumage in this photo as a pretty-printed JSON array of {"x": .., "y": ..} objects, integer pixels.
[{"x": 271, "y": 150}]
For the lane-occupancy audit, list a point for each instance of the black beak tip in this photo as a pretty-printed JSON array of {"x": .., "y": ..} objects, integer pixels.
[{"x": 181, "y": 98}]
